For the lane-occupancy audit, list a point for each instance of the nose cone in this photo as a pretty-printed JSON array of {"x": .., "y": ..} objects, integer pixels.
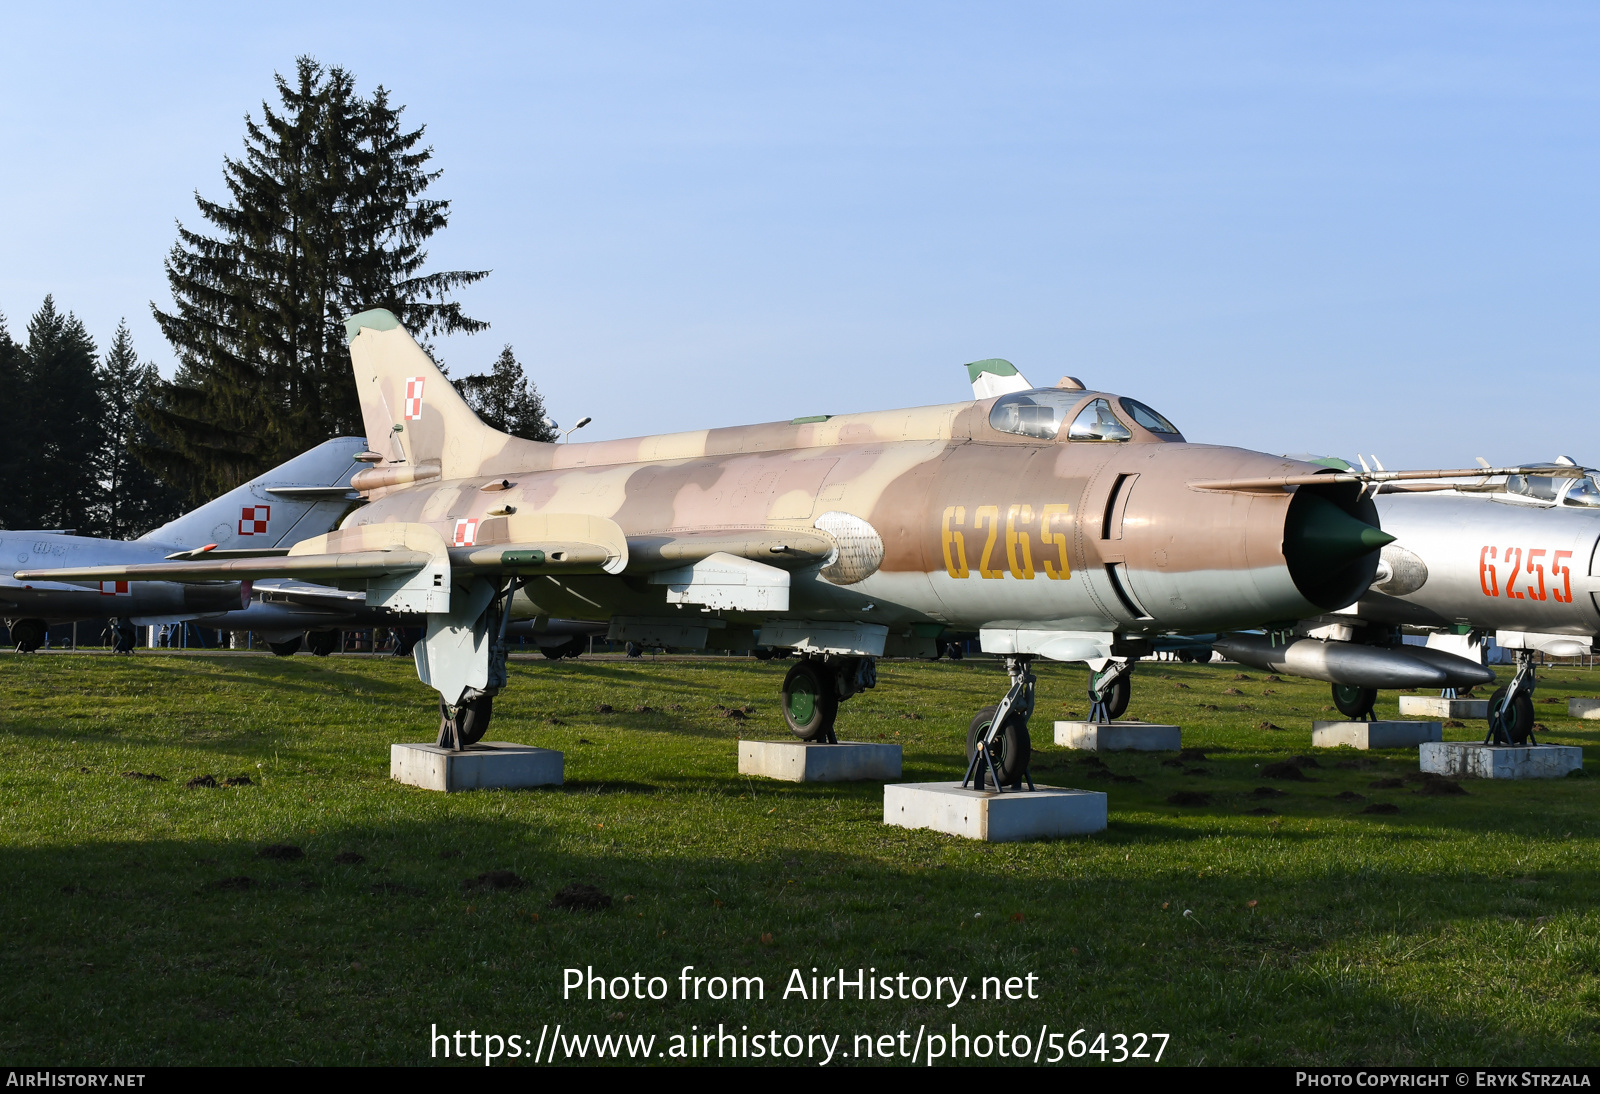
[{"x": 1324, "y": 537}]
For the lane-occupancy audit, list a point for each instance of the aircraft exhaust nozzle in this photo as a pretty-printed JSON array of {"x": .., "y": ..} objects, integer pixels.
[
  {"x": 1320, "y": 534},
  {"x": 1355, "y": 664},
  {"x": 1331, "y": 541}
]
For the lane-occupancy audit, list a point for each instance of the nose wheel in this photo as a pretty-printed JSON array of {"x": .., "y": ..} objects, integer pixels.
[
  {"x": 998, "y": 747},
  {"x": 1511, "y": 707}
]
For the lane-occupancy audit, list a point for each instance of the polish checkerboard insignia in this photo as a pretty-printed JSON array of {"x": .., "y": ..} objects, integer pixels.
[
  {"x": 253, "y": 520},
  {"x": 115, "y": 588},
  {"x": 466, "y": 532},
  {"x": 414, "y": 398}
]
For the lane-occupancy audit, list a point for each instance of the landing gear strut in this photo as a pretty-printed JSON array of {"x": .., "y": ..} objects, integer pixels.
[
  {"x": 463, "y": 723},
  {"x": 997, "y": 739},
  {"x": 1511, "y": 707},
  {"x": 816, "y": 685}
]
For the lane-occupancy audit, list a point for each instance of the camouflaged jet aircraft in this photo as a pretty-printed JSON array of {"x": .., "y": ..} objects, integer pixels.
[{"x": 1060, "y": 522}]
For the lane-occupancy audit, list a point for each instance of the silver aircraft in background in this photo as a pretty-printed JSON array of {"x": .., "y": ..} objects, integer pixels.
[
  {"x": 1515, "y": 558},
  {"x": 302, "y": 498}
]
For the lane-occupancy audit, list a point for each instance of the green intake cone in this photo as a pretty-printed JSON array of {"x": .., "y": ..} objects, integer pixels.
[{"x": 1324, "y": 537}]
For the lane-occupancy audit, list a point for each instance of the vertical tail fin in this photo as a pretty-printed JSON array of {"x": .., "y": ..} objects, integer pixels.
[
  {"x": 279, "y": 508},
  {"x": 411, "y": 412}
]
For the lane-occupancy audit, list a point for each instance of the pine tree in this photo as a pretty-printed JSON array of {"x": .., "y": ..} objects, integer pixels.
[
  {"x": 506, "y": 399},
  {"x": 57, "y": 481},
  {"x": 133, "y": 499},
  {"x": 326, "y": 217},
  {"x": 16, "y": 429}
]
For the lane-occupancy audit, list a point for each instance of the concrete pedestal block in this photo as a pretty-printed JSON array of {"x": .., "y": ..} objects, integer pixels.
[
  {"x": 1583, "y": 708},
  {"x": 811, "y": 762},
  {"x": 1374, "y": 734},
  {"x": 1479, "y": 761},
  {"x": 1432, "y": 706},
  {"x": 1118, "y": 736},
  {"x": 995, "y": 818},
  {"x": 487, "y": 765}
]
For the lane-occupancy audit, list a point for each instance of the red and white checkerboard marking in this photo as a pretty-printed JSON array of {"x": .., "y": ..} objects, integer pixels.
[
  {"x": 466, "y": 532},
  {"x": 414, "y": 398},
  {"x": 115, "y": 588},
  {"x": 253, "y": 520}
]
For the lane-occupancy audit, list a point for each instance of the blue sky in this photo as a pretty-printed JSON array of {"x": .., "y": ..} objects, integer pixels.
[{"x": 1327, "y": 227}]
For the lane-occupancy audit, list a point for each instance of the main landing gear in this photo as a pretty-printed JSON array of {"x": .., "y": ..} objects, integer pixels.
[
  {"x": 998, "y": 747},
  {"x": 1511, "y": 707},
  {"x": 463, "y": 723},
  {"x": 1355, "y": 702},
  {"x": 814, "y": 688},
  {"x": 1110, "y": 689}
]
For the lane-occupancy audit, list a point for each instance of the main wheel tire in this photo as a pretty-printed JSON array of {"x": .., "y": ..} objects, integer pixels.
[
  {"x": 633, "y": 649},
  {"x": 469, "y": 723},
  {"x": 1353, "y": 701},
  {"x": 1519, "y": 718},
  {"x": 761, "y": 653},
  {"x": 285, "y": 649},
  {"x": 123, "y": 636},
  {"x": 810, "y": 701},
  {"x": 1186, "y": 656},
  {"x": 954, "y": 651},
  {"x": 1117, "y": 697},
  {"x": 28, "y": 634},
  {"x": 322, "y": 643},
  {"x": 1014, "y": 746}
]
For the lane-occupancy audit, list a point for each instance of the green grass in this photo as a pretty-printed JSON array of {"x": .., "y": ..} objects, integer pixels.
[{"x": 1462, "y": 929}]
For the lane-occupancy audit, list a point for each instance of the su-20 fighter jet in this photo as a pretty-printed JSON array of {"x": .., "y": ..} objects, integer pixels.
[
  {"x": 303, "y": 497},
  {"x": 1514, "y": 556},
  {"x": 1056, "y": 522}
]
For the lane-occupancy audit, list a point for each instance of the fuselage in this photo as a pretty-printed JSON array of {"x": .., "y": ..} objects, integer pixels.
[
  {"x": 964, "y": 516},
  {"x": 1491, "y": 562}
]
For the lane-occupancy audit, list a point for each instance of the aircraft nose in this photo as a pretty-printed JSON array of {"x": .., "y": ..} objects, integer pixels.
[{"x": 1321, "y": 536}]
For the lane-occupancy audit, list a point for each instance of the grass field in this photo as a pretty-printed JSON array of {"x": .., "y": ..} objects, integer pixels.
[{"x": 1461, "y": 929}]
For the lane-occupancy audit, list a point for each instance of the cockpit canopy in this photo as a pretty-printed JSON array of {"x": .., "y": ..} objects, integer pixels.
[
  {"x": 1582, "y": 491},
  {"x": 1041, "y": 413}
]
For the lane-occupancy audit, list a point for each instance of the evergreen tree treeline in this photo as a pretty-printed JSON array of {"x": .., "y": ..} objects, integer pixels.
[
  {"x": 326, "y": 217},
  {"x": 66, "y": 427}
]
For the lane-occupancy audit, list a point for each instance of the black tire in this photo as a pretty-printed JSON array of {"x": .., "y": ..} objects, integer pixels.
[
  {"x": 1117, "y": 697},
  {"x": 469, "y": 723},
  {"x": 1015, "y": 747},
  {"x": 554, "y": 653},
  {"x": 123, "y": 636},
  {"x": 28, "y": 634},
  {"x": 1519, "y": 719},
  {"x": 285, "y": 649},
  {"x": 633, "y": 649},
  {"x": 1186, "y": 657},
  {"x": 322, "y": 643},
  {"x": 1354, "y": 702},
  {"x": 810, "y": 701},
  {"x": 761, "y": 653},
  {"x": 954, "y": 651}
]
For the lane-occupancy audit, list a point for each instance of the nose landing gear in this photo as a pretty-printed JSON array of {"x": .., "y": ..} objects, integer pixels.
[
  {"x": 997, "y": 740},
  {"x": 1511, "y": 707}
]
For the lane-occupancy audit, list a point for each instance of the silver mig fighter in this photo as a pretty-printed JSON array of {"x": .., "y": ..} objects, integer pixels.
[
  {"x": 1511, "y": 556},
  {"x": 303, "y": 497},
  {"x": 1058, "y": 522}
]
